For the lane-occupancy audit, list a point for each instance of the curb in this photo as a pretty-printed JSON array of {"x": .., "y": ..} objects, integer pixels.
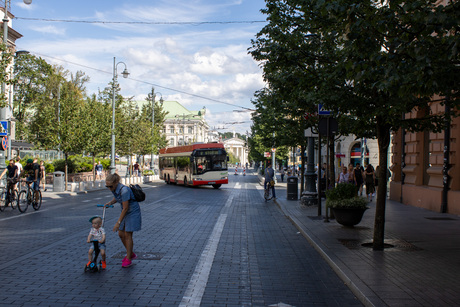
[{"x": 335, "y": 267}]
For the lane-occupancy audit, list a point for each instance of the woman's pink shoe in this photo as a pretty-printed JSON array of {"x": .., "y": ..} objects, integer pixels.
[{"x": 126, "y": 263}]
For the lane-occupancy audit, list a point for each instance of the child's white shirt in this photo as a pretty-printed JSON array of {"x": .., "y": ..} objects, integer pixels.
[{"x": 96, "y": 234}]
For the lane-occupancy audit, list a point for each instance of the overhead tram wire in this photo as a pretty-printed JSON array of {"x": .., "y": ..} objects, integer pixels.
[
  {"x": 146, "y": 82},
  {"x": 142, "y": 22}
]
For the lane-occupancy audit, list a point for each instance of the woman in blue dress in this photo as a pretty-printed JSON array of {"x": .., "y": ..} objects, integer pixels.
[{"x": 130, "y": 218}]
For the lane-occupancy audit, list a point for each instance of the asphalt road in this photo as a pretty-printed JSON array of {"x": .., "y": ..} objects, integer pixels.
[{"x": 197, "y": 247}]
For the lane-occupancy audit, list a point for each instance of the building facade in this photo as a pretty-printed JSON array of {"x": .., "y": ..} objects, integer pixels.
[
  {"x": 348, "y": 149},
  {"x": 426, "y": 166},
  {"x": 238, "y": 148},
  {"x": 182, "y": 126}
]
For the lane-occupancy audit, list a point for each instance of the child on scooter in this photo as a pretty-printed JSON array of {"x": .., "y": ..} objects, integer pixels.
[{"x": 97, "y": 233}]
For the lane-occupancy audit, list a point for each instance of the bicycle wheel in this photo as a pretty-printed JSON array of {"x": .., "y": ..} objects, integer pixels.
[
  {"x": 37, "y": 204},
  {"x": 267, "y": 193},
  {"x": 23, "y": 202},
  {"x": 14, "y": 199},
  {"x": 2, "y": 199}
]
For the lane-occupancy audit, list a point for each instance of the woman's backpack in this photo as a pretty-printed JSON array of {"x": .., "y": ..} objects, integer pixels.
[{"x": 139, "y": 195}]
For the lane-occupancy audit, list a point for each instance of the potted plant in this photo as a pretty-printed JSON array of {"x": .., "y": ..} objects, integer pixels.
[{"x": 347, "y": 206}]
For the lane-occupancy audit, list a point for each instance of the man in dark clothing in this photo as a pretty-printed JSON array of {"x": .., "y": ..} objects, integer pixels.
[
  {"x": 32, "y": 170},
  {"x": 269, "y": 176},
  {"x": 12, "y": 175},
  {"x": 359, "y": 180}
]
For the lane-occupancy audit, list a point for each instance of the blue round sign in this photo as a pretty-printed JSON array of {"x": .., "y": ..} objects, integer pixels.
[{"x": 5, "y": 142}]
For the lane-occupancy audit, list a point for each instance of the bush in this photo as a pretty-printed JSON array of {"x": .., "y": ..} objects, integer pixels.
[
  {"x": 49, "y": 168},
  {"x": 59, "y": 165},
  {"x": 342, "y": 191},
  {"x": 345, "y": 195}
]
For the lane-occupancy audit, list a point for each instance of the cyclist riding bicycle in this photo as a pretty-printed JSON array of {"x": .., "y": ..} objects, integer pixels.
[
  {"x": 270, "y": 178},
  {"x": 12, "y": 176},
  {"x": 32, "y": 170}
]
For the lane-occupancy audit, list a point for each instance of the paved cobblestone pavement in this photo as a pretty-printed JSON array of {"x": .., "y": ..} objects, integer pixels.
[
  {"x": 421, "y": 269},
  {"x": 210, "y": 247}
]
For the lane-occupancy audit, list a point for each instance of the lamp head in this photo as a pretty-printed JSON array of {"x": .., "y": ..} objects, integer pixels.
[
  {"x": 161, "y": 100},
  {"x": 27, "y": 2},
  {"x": 125, "y": 73}
]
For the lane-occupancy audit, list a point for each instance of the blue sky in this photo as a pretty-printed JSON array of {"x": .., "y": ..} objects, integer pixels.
[{"x": 208, "y": 60}]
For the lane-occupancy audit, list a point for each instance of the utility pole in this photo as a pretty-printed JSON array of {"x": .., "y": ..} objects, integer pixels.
[{"x": 153, "y": 124}]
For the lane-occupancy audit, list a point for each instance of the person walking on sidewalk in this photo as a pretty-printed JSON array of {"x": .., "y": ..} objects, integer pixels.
[
  {"x": 359, "y": 178},
  {"x": 130, "y": 219},
  {"x": 370, "y": 181},
  {"x": 343, "y": 176},
  {"x": 270, "y": 178},
  {"x": 43, "y": 174}
]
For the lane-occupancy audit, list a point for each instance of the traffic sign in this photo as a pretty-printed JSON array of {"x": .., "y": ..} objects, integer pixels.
[
  {"x": 322, "y": 111},
  {"x": 4, "y": 128},
  {"x": 5, "y": 143}
]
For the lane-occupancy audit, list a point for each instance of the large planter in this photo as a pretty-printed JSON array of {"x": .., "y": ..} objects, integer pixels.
[{"x": 348, "y": 216}]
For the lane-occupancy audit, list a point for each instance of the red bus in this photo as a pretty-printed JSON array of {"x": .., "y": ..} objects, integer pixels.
[{"x": 197, "y": 164}]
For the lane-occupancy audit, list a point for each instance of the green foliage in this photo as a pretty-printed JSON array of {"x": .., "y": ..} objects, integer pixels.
[
  {"x": 77, "y": 164},
  {"x": 59, "y": 165},
  {"x": 342, "y": 191},
  {"x": 350, "y": 203},
  {"x": 232, "y": 158},
  {"x": 345, "y": 195},
  {"x": 49, "y": 168}
]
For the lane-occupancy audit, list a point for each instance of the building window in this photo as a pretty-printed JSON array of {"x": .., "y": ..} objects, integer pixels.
[
  {"x": 171, "y": 129},
  {"x": 190, "y": 130},
  {"x": 171, "y": 141}
]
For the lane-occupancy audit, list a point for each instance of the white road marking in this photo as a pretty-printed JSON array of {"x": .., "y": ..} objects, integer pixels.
[{"x": 197, "y": 284}]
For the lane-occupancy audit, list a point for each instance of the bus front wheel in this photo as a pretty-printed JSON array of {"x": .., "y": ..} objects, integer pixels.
[{"x": 216, "y": 186}]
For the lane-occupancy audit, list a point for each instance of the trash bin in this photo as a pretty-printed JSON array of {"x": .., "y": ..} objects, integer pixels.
[
  {"x": 58, "y": 182},
  {"x": 292, "y": 188}
]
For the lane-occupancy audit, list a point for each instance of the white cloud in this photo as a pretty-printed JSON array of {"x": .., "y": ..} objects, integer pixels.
[
  {"x": 206, "y": 60},
  {"x": 50, "y": 30}
]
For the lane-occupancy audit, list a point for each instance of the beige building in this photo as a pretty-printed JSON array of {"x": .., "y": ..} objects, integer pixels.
[
  {"x": 238, "y": 148},
  {"x": 182, "y": 126}
]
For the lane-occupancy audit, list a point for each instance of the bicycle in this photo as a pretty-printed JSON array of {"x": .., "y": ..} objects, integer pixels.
[
  {"x": 27, "y": 197},
  {"x": 8, "y": 198},
  {"x": 268, "y": 193}
]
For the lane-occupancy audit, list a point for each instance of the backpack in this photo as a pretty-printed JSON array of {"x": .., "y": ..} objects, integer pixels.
[{"x": 139, "y": 195}]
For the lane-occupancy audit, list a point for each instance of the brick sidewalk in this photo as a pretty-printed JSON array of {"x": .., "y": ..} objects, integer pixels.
[{"x": 420, "y": 270}]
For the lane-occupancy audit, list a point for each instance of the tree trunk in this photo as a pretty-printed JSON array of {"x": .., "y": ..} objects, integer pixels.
[{"x": 383, "y": 137}]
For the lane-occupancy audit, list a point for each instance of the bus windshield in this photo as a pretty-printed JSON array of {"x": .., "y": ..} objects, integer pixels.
[{"x": 209, "y": 160}]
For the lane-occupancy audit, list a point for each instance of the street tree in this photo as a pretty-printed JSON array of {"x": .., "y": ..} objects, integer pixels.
[
  {"x": 35, "y": 82},
  {"x": 153, "y": 140},
  {"x": 379, "y": 60}
]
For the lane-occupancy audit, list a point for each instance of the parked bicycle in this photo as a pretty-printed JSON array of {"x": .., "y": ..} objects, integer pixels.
[
  {"x": 8, "y": 195},
  {"x": 29, "y": 197}
]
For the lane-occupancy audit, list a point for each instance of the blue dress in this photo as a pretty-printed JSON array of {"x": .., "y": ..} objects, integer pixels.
[{"x": 132, "y": 220}]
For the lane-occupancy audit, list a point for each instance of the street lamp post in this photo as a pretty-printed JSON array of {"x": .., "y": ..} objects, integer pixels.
[
  {"x": 153, "y": 121},
  {"x": 3, "y": 111},
  {"x": 125, "y": 74}
]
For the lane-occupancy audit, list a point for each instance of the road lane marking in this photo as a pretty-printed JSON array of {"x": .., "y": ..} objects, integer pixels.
[{"x": 199, "y": 280}]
